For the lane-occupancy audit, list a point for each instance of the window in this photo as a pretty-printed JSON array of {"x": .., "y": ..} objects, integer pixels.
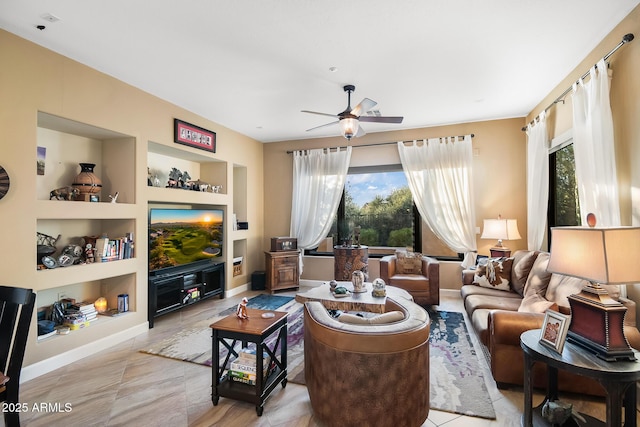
[
  {"x": 377, "y": 199},
  {"x": 564, "y": 208}
]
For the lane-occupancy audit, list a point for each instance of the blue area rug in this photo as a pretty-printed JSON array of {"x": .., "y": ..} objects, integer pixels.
[{"x": 261, "y": 302}]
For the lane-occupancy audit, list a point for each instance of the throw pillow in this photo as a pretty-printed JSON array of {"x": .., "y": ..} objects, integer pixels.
[
  {"x": 408, "y": 263},
  {"x": 494, "y": 274},
  {"x": 380, "y": 319},
  {"x": 539, "y": 277},
  {"x": 522, "y": 264},
  {"x": 536, "y": 304}
]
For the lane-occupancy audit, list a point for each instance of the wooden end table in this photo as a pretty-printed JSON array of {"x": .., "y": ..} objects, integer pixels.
[
  {"x": 255, "y": 329},
  {"x": 618, "y": 379}
]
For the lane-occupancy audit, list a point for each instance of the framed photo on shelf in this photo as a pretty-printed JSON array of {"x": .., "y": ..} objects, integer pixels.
[
  {"x": 554, "y": 330},
  {"x": 193, "y": 136}
]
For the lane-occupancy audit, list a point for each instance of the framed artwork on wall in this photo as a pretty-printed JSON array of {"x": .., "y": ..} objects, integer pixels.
[
  {"x": 554, "y": 330},
  {"x": 193, "y": 136}
]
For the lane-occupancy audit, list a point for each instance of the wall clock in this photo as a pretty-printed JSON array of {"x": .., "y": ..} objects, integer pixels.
[{"x": 4, "y": 182}]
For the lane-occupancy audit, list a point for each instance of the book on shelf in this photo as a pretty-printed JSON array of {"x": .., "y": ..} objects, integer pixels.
[
  {"x": 47, "y": 335},
  {"x": 83, "y": 307},
  {"x": 112, "y": 312},
  {"x": 250, "y": 353},
  {"x": 248, "y": 366},
  {"x": 114, "y": 249}
]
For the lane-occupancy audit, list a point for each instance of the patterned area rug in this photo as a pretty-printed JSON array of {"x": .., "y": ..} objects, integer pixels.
[{"x": 456, "y": 382}]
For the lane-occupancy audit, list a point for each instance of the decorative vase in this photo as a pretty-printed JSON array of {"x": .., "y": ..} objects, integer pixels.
[
  {"x": 87, "y": 182},
  {"x": 357, "y": 278}
]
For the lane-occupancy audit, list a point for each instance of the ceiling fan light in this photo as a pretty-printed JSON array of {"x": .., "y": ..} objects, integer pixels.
[{"x": 349, "y": 127}]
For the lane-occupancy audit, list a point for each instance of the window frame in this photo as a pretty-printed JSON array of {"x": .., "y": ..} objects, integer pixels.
[{"x": 558, "y": 143}]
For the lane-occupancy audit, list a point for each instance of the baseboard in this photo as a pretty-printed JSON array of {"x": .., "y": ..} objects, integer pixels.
[
  {"x": 45, "y": 366},
  {"x": 237, "y": 290}
]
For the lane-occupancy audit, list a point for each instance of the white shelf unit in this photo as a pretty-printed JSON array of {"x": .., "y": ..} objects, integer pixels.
[{"x": 66, "y": 143}]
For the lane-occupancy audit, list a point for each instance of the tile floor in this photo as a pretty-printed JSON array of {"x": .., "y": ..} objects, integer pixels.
[{"x": 122, "y": 386}]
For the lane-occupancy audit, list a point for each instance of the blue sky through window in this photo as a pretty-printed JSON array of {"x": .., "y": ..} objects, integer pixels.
[{"x": 364, "y": 187}]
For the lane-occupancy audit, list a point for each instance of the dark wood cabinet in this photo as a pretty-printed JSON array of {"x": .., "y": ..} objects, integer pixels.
[{"x": 282, "y": 270}]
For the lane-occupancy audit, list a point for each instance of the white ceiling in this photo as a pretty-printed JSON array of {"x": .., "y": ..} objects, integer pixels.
[{"x": 252, "y": 65}]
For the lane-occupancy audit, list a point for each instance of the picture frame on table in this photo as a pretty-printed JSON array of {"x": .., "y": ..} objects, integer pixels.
[
  {"x": 554, "y": 330},
  {"x": 194, "y": 136}
]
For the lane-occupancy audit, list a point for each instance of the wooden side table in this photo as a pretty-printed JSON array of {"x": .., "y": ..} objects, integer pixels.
[
  {"x": 257, "y": 330},
  {"x": 617, "y": 378},
  {"x": 282, "y": 270},
  {"x": 349, "y": 259}
]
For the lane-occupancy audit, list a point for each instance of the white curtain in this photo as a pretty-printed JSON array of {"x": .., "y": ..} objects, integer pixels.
[
  {"x": 593, "y": 148},
  {"x": 318, "y": 180},
  {"x": 439, "y": 172},
  {"x": 537, "y": 182}
]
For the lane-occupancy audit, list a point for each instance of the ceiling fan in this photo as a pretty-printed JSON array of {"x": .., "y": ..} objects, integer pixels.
[{"x": 350, "y": 118}]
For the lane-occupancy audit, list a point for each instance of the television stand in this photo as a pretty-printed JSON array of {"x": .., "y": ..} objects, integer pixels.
[{"x": 174, "y": 288}]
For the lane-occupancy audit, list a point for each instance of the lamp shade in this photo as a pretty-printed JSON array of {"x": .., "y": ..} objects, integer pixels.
[
  {"x": 600, "y": 254},
  {"x": 501, "y": 229},
  {"x": 349, "y": 127}
]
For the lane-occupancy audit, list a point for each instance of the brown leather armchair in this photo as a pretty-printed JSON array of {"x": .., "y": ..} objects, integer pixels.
[
  {"x": 424, "y": 287},
  {"x": 361, "y": 375}
]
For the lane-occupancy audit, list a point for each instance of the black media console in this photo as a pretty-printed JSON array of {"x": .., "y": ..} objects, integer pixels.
[{"x": 173, "y": 288}]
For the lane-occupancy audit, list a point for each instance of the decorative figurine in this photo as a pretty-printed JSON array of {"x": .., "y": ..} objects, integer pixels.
[
  {"x": 64, "y": 193},
  {"x": 379, "y": 289},
  {"x": 175, "y": 177},
  {"x": 88, "y": 253},
  {"x": 241, "y": 311},
  {"x": 114, "y": 198},
  {"x": 357, "y": 278}
]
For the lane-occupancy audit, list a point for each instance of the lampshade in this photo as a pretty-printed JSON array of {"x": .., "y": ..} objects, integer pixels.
[
  {"x": 349, "y": 127},
  {"x": 501, "y": 229},
  {"x": 599, "y": 254}
]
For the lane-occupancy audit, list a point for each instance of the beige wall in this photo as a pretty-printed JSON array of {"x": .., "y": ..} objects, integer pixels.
[
  {"x": 34, "y": 79},
  {"x": 499, "y": 180},
  {"x": 625, "y": 93}
]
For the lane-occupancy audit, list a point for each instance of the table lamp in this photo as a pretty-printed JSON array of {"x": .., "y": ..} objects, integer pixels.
[
  {"x": 500, "y": 229},
  {"x": 600, "y": 255}
]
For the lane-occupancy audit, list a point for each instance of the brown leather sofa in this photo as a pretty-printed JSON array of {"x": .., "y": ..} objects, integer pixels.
[
  {"x": 500, "y": 317},
  {"x": 424, "y": 286},
  {"x": 368, "y": 375}
]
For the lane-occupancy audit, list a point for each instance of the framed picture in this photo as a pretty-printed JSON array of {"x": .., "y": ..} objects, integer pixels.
[
  {"x": 193, "y": 136},
  {"x": 554, "y": 330}
]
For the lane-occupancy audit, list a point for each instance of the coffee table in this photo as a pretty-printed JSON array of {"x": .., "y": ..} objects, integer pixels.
[{"x": 363, "y": 301}]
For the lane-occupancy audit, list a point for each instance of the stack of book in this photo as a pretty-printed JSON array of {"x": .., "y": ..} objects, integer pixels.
[
  {"x": 75, "y": 321},
  {"x": 86, "y": 308},
  {"x": 243, "y": 369}
]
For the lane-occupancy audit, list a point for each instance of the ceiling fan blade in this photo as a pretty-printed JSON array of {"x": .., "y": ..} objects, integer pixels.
[
  {"x": 381, "y": 119},
  {"x": 360, "y": 132},
  {"x": 321, "y": 126},
  {"x": 321, "y": 114},
  {"x": 364, "y": 106}
]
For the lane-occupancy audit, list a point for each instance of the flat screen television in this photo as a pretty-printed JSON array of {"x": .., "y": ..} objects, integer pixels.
[{"x": 178, "y": 237}]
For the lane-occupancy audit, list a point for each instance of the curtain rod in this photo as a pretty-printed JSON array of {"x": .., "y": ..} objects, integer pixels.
[
  {"x": 626, "y": 39},
  {"x": 384, "y": 143}
]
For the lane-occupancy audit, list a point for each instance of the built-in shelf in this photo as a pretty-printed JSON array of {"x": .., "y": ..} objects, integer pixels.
[
  {"x": 63, "y": 276},
  {"x": 62, "y": 145},
  {"x": 54, "y": 209},
  {"x": 173, "y": 195}
]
